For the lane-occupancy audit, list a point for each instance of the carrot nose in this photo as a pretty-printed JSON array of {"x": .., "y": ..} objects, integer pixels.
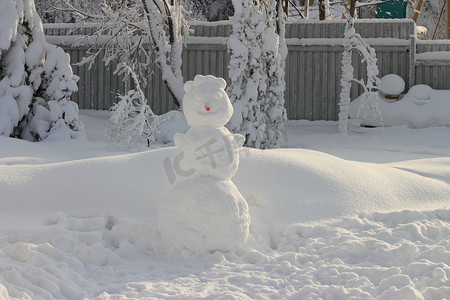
[{"x": 207, "y": 108}]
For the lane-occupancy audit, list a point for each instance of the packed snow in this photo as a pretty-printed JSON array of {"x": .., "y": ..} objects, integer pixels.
[
  {"x": 329, "y": 215},
  {"x": 333, "y": 216},
  {"x": 420, "y": 107},
  {"x": 204, "y": 210},
  {"x": 392, "y": 84}
]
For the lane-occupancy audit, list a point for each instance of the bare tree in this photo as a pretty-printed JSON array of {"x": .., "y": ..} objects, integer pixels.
[
  {"x": 138, "y": 33},
  {"x": 210, "y": 10},
  {"x": 324, "y": 10}
]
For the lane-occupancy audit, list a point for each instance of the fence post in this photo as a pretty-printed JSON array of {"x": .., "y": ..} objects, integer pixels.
[{"x": 412, "y": 60}]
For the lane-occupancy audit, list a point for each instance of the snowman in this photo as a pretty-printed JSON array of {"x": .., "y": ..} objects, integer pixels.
[{"x": 205, "y": 211}]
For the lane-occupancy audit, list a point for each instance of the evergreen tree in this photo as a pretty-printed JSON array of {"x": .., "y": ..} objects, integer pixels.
[
  {"x": 33, "y": 73},
  {"x": 257, "y": 74}
]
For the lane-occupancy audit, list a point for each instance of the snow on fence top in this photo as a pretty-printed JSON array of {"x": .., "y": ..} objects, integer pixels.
[
  {"x": 298, "y": 33},
  {"x": 432, "y": 46},
  {"x": 400, "y": 29},
  {"x": 433, "y": 50}
]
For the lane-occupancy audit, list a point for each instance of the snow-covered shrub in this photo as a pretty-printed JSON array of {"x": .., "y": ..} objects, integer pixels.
[
  {"x": 132, "y": 119},
  {"x": 353, "y": 40},
  {"x": 257, "y": 74},
  {"x": 36, "y": 78}
]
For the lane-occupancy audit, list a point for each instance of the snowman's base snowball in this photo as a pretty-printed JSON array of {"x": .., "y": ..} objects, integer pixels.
[{"x": 204, "y": 214}]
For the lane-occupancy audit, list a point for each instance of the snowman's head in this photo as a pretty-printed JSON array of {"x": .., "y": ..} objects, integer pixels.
[{"x": 206, "y": 103}]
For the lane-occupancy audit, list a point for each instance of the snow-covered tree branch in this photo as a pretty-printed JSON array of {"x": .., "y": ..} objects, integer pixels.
[
  {"x": 132, "y": 119},
  {"x": 166, "y": 25},
  {"x": 353, "y": 40},
  {"x": 139, "y": 33}
]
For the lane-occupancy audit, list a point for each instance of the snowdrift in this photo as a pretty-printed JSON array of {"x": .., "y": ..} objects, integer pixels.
[
  {"x": 78, "y": 227},
  {"x": 293, "y": 185},
  {"x": 282, "y": 187},
  {"x": 421, "y": 107}
]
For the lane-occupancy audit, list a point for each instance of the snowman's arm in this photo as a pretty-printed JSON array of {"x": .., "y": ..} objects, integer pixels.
[{"x": 239, "y": 139}]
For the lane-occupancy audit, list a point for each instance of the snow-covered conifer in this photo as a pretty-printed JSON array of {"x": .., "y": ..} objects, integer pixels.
[
  {"x": 274, "y": 54},
  {"x": 33, "y": 74},
  {"x": 257, "y": 74},
  {"x": 60, "y": 83}
]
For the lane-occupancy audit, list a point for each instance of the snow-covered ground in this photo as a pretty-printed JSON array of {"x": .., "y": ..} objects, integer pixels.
[{"x": 333, "y": 217}]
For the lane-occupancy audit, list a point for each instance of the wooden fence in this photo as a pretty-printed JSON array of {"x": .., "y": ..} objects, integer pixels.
[
  {"x": 433, "y": 64},
  {"x": 313, "y": 65}
]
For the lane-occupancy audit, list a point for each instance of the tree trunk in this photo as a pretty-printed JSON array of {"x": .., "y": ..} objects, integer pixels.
[
  {"x": 285, "y": 5},
  {"x": 322, "y": 10},
  {"x": 353, "y": 8},
  {"x": 417, "y": 11},
  {"x": 171, "y": 70},
  {"x": 306, "y": 12},
  {"x": 448, "y": 19}
]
